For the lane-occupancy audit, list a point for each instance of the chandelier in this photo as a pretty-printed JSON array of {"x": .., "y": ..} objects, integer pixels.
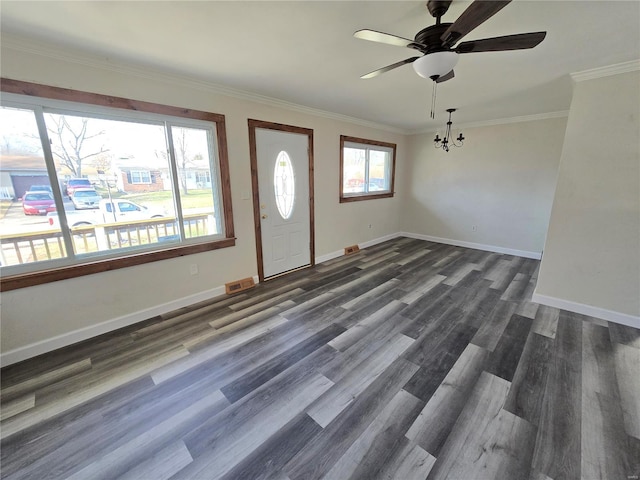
[{"x": 447, "y": 141}]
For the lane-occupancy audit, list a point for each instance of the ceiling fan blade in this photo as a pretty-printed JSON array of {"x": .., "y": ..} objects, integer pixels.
[
  {"x": 520, "y": 41},
  {"x": 381, "y": 37},
  {"x": 477, "y": 13},
  {"x": 446, "y": 77},
  {"x": 382, "y": 70}
]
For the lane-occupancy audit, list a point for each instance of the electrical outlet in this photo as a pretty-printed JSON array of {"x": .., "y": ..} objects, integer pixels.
[
  {"x": 193, "y": 269},
  {"x": 369, "y": 225},
  {"x": 474, "y": 228}
]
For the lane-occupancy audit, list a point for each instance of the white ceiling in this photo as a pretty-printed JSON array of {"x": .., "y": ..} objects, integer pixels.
[{"x": 304, "y": 52}]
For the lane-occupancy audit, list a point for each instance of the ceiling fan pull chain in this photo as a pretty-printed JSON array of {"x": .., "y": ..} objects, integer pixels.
[{"x": 433, "y": 101}]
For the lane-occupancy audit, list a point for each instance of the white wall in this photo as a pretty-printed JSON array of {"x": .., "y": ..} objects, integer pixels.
[
  {"x": 592, "y": 253},
  {"x": 40, "y": 313},
  {"x": 501, "y": 181}
]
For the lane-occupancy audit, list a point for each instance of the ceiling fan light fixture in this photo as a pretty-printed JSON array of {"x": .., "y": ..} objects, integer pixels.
[{"x": 435, "y": 64}]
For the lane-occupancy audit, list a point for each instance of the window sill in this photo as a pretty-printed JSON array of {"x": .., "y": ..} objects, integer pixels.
[
  {"x": 359, "y": 198},
  {"x": 31, "y": 279}
]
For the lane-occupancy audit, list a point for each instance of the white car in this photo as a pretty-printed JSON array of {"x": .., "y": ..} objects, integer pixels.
[
  {"x": 85, "y": 198},
  {"x": 117, "y": 210}
]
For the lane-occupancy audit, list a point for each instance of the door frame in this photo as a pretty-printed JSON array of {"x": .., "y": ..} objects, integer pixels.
[{"x": 253, "y": 124}]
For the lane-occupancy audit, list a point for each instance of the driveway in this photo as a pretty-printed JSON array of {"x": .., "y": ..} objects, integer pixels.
[{"x": 16, "y": 222}]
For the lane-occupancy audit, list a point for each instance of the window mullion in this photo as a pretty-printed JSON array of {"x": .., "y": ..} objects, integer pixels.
[
  {"x": 173, "y": 168},
  {"x": 214, "y": 177},
  {"x": 53, "y": 178},
  {"x": 366, "y": 169}
]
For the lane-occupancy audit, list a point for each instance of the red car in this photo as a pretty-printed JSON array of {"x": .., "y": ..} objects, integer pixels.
[
  {"x": 38, "y": 203},
  {"x": 75, "y": 183}
]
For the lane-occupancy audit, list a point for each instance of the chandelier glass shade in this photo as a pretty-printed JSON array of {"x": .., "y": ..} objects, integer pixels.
[
  {"x": 447, "y": 140},
  {"x": 436, "y": 64}
]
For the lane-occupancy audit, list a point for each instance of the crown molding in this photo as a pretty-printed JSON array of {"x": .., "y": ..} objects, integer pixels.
[
  {"x": 500, "y": 121},
  {"x": 609, "y": 70},
  {"x": 19, "y": 44}
]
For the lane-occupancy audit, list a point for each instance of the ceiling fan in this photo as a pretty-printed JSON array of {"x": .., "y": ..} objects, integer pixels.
[{"x": 436, "y": 42}]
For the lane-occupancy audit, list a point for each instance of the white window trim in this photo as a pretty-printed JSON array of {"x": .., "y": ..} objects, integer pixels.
[{"x": 140, "y": 174}]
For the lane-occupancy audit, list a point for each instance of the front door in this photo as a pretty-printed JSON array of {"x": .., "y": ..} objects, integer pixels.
[{"x": 282, "y": 169}]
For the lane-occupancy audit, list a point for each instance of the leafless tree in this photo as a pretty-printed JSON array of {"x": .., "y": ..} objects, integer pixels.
[
  {"x": 183, "y": 153},
  {"x": 6, "y": 147},
  {"x": 102, "y": 163},
  {"x": 23, "y": 144},
  {"x": 182, "y": 159},
  {"x": 70, "y": 142}
]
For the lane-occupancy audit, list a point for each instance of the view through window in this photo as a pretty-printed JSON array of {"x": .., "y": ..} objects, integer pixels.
[
  {"x": 367, "y": 169},
  {"x": 79, "y": 183}
]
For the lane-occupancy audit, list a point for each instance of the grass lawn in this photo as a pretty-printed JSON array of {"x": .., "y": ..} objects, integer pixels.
[{"x": 194, "y": 199}]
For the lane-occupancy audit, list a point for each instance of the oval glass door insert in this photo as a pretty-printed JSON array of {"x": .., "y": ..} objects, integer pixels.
[{"x": 284, "y": 185}]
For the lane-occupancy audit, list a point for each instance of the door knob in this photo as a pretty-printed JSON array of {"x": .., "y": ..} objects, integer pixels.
[{"x": 264, "y": 215}]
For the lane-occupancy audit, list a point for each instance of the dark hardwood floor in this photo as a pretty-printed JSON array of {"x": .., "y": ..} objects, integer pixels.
[{"x": 409, "y": 360}]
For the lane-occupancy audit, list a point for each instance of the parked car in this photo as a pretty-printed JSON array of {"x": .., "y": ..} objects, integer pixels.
[
  {"x": 355, "y": 185},
  {"x": 117, "y": 210},
  {"x": 38, "y": 203},
  {"x": 85, "y": 198},
  {"x": 40, "y": 188},
  {"x": 75, "y": 183}
]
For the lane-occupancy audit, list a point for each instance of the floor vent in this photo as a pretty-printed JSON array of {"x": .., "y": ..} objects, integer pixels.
[
  {"x": 239, "y": 285},
  {"x": 351, "y": 250}
]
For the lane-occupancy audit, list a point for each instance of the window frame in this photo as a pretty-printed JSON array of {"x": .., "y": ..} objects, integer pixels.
[
  {"x": 366, "y": 144},
  {"x": 200, "y": 174},
  {"x": 127, "y": 259},
  {"x": 141, "y": 174}
]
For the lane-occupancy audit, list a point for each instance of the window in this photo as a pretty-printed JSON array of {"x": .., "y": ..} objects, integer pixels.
[
  {"x": 140, "y": 176},
  {"x": 366, "y": 169},
  {"x": 160, "y": 174},
  {"x": 203, "y": 178},
  {"x": 284, "y": 185},
  {"x": 129, "y": 207}
]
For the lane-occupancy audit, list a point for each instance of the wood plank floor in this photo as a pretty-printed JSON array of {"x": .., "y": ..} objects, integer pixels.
[{"x": 408, "y": 360}]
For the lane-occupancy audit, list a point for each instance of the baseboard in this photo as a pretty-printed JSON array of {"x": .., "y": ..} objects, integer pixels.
[
  {"x": 69, "y": 338},
  {"x": 378, "y": 240},
  {"x": 477, "y": 246},
  {"x": 329, "y": 256},
  {"x": 430, "y": 238},
  {"x": 591, "y": 311},
  {"x": 370, "y": 243}
]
